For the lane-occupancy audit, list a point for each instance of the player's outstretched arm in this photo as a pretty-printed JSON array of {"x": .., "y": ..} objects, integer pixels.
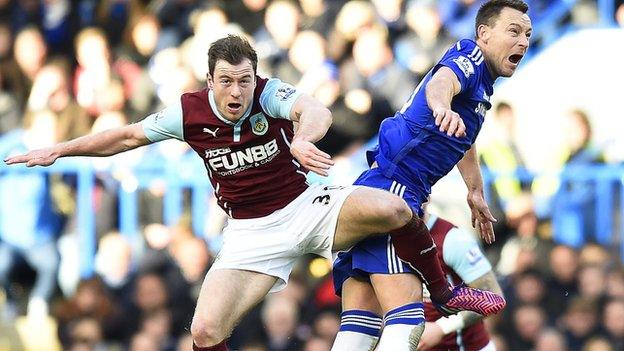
[
  {"x": 105, "y": 143},
  {"x": 435, "y": 331},
  {"x": 314, "y": 120},
  {"x": 440, "y": 90},
  {"x": 482, "y": 219}
]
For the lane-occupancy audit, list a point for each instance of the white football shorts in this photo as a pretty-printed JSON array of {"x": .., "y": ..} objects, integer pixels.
[{"x": 273, "y": 243}]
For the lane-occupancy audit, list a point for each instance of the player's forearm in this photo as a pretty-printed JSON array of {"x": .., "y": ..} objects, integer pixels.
[
  {"x": 470, "y": 171},
  {"x": 439, "y": 93},
  {"x": 314, "y": 121},
  {"x": 105, "y": 143}
]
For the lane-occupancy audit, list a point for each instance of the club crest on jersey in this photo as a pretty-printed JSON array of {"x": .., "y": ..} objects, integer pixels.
[
  {"x": 465, "y": 65},
  {"x": 259, "y": 124}
]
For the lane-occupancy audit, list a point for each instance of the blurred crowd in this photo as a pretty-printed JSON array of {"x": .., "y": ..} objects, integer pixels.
[{"x": 70, "y": 68}]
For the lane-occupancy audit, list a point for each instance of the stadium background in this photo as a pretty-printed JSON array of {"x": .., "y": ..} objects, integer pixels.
[{"x": 123, "y": 243}]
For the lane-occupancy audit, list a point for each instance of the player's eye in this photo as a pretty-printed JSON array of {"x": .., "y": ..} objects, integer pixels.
[
  {"x": 514, "y": 31},
  {"x": 225, "y": 81}
]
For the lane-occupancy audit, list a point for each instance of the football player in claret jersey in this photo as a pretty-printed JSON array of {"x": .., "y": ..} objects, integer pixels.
[
  {"x": 241, "y": 126},
  {"x": 434, "y": 131}
]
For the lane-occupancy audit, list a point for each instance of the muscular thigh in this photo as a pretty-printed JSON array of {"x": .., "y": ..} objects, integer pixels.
[
  {"x": 228, "y": 294},
  {"x": 396, "y": 290},
  {"x": 368, "y": 211}
]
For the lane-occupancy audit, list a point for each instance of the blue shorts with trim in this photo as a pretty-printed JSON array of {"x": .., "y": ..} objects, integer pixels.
[{"x": 377, "y": 254}]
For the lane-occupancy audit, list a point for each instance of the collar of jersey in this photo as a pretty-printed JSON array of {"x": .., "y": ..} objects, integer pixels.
[{"x": 213, "y": 105}]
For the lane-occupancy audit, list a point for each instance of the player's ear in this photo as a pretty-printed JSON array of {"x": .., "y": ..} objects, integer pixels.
[
  {"x": 209, "y": 81},
  {"x": 484, "y": 32}
]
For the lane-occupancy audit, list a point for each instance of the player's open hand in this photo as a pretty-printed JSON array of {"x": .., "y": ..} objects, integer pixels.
[
  {"x": 450, "y": 122},
  {"x": 40, "y": 157},
  {"x": 482, "y": 219},
  {"x": 430, "y": 337},
  {"x": 311, "y": 157}
]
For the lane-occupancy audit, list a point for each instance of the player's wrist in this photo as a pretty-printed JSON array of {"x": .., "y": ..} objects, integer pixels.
[{"x": 450, "y": 324}]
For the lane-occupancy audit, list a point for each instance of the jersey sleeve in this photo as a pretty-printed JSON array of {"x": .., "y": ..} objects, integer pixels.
[
  {"x": 465, "y": 59},
  {"x": 462, "y": 253},
  {"x": 278, "y": 98},
  {"x": 164, "y": 124}
]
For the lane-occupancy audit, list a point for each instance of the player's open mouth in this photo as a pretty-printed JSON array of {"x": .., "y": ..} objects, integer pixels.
[
  {"x": 515, "y": 58},
  {"x": 233, "y": 107}
]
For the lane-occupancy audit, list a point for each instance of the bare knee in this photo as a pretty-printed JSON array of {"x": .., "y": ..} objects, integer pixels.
[
  {"x": 206, "y": 331},
  {"x": 396, "y": 213}
]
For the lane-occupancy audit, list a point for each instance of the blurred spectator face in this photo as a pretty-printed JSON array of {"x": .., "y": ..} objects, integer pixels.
[
  {"x": 619, "y": 15},
  {"x": 185, "y": 343},
  {"x": 255, "y": 5},
  {"x": 317, "y": 344},
  {"x": 615, "y": 283},
  {"x": 253, "y": 347},
  {"x": 112, "y": 98},
  {"x": 389, "y": 10},
  {"x": 563, "y": 263},
  {"x": 86, "y": 330},
  {"x": 6, "y": 41},
  {"x": 527, "y": 259},
  {"x": 580, "y": 318},
  {"x": 107, "y": 121},
  {"x": 327, "y": 325},
  {"x": 157, "y": 325},
  {"x": 613, "y": 318},
  {"x": 529, "y": 289},
  {"x": 505, "y": 117},
  {"x": 209, "y": 21},
  {"x": 89, "y": 295},
  {"x": 592, "y": 281},
  {"x": 502, "y": 48},
  {"x": 157, "y": 236},
  {"x": 30, "y": 51},
  {"x": 371, "y": 51},
  {"x": 353, "y": 17},
  {"x": 594, "y": 254},
  {"x": 113, "y": 259},
  {"x": 55, "y": 78},
  {"x": 279, "y": 317},
  {"x": 577, "y": 130},
  {"x": 170, "y": 76},
  {"x": 529, "y": 321},
  {"x": 92, "y": 49},
  {"x": 312, "y": 8},
  {"x": 598, "y": 344},
  {"x": 42, "y": 130},
  {"x": 282, "y": 21},
  {"x": 192, "y": 257},
  {"x": 424, "y": 20},
  {"x": 550, "y": 340},
  {"x": 145, "y": 34},
  {"x": 233, "y": 87},
  {"x": 143, "y": 342},
  {"x": 499, "y": 342},
  {"x": 150, "y": 292},
  {"x": 307, "y": 51}
]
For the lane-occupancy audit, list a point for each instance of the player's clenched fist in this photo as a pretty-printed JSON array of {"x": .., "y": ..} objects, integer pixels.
[
  {"x": 449, "y": 122},
  {"x": 311, "y": 157}
]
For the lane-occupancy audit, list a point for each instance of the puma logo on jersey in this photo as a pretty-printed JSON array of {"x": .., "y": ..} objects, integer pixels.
[{"x": 211, "y": 132}]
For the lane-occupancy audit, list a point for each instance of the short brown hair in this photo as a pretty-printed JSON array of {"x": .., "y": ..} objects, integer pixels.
[
  {"x": 233, "y": 49},
  {"x": 489, "y": 11}
]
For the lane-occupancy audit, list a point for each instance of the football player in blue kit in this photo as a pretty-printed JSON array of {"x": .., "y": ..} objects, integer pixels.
[{"x": 434, "y": 131}]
